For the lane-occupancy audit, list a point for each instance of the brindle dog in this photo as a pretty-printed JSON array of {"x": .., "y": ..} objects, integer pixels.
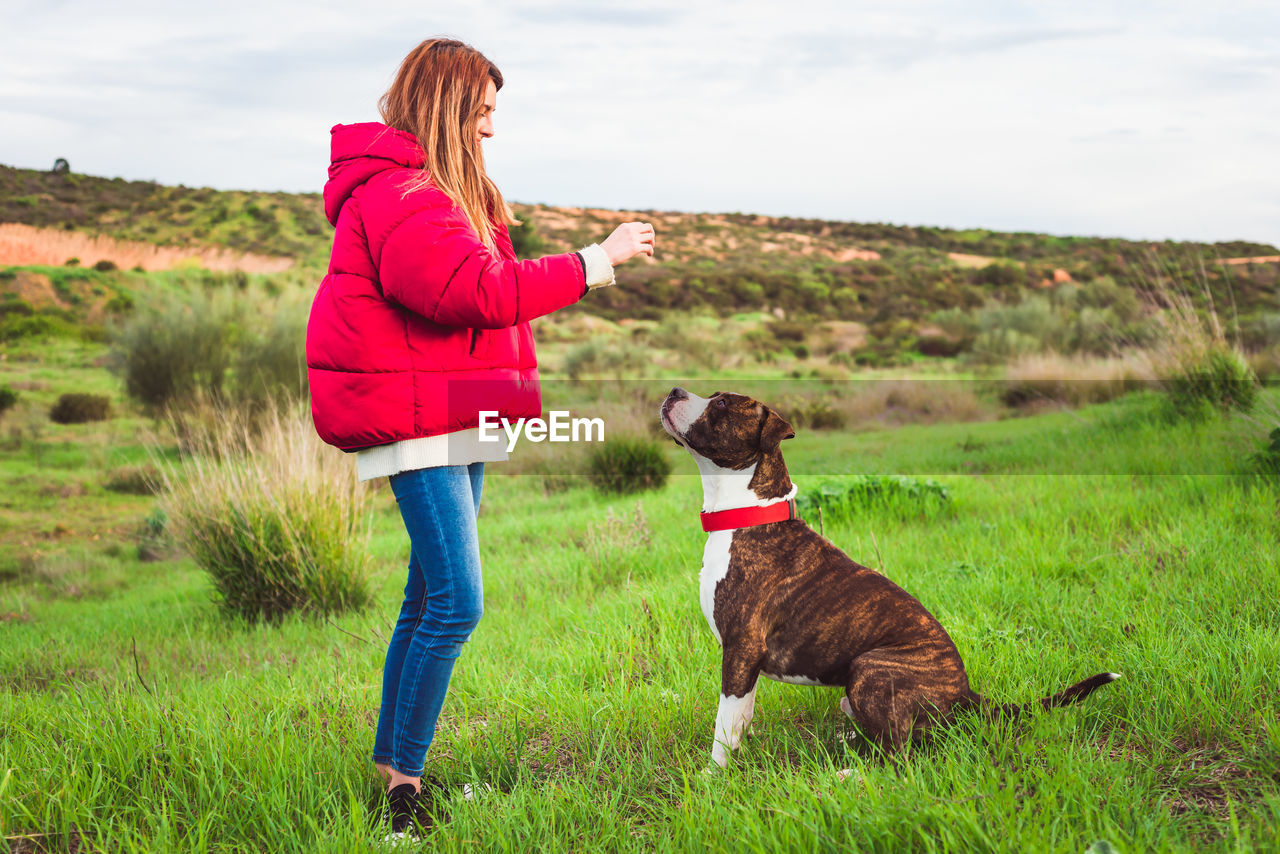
[{"x": 786, "y": 603}]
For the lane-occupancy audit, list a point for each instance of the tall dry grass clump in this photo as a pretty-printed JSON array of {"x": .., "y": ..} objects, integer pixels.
[
  {"x": 273, "y": 515},
  {"x": 1198, "y": 365},
  {"x": 1075, "y": 381},
  {"x": 908, "y": 401}
]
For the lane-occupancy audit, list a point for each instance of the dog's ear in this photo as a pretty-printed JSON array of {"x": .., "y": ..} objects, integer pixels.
[{"x": 773, "y": 430}]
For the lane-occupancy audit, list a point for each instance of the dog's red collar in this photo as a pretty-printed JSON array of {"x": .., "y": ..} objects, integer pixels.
[{"x": 745, "y": 517}]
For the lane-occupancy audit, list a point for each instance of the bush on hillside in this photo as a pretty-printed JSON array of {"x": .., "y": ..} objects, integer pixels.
[
  {"x": 169, "y": 351},
  {"x": 80, "y": 409},
  {"x": 628, "y": 464},
  {"x": 525, "y": 239},
  {"x": 684, "y": 334},
  {"x": 8, "y": 399},
  {"x": 217, "y": 343},
  {"x": 814, "y": 413},
  {"x": 1261, "y": 332},
  {"x": 617, "y": 359},
  {"x": 16, "y": 325}
]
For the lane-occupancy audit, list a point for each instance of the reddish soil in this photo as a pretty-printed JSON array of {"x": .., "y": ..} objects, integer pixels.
[
  {"x": 1261, "y": 259},
  {"x": 24, "y": 244}
]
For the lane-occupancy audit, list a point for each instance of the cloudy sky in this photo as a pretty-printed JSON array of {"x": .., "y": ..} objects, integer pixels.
[{"x": 1140, "y": 119}]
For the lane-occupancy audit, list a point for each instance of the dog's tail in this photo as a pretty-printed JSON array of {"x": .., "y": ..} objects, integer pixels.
[{"x": 1065, "y": 697}]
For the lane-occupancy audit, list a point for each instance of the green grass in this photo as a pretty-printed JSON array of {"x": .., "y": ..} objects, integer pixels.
[{"x": 134, "y": 717}]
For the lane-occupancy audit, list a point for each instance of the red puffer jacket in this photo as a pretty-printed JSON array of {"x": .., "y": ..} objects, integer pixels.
[{"x": 418, "y": 326}]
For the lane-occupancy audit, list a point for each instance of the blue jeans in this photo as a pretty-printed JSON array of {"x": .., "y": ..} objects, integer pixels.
[{"x": 443, "y": 601}]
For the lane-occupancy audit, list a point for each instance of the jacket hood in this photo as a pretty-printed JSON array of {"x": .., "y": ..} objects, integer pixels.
[{"x": 361, "y": 151}]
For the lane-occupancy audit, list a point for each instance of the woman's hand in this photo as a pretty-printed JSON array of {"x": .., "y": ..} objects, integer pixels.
[{"x": 629, "y": 240}]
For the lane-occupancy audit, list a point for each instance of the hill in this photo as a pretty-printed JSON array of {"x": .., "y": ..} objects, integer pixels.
[{"x": 912, "y": 287}]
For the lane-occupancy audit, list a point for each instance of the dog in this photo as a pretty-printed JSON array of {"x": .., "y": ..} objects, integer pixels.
[{"x": 787, "y": 604}]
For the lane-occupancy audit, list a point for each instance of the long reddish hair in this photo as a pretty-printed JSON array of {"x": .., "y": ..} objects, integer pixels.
[{"x": 437, "y": 96}]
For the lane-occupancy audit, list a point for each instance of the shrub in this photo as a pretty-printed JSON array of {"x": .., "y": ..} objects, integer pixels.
[
  {"x": 621, "y": 359},
  {"x": 1093, "y": 331},
  {"x": 1262, "y": 332},
  {"x": 1002, "y": 345},
  {"x": 120, "y": 303},
  {"x": 8, "y": 397},
  {"x": 939, "y": 345},
  {"x": 270, "y": 363},
  {"x": 858, "y": 494},
  {"x": 16, "y": 325},
  {"x": 688, "y": 337},
  {"x": 788, "y": 330},
  {"x": 133, "y": 480},
  {"x": 80, "y": 409},
  {"x": 94, "y": 333},
  {"x": 274, "y": 517},
  {"x": 525, "y": 239},
  {"x": 105, "y": 266},
  {"x": 1221, "y": 379},
  {"x": 153, "y": 538},
  {"x": 1001, "y": 275},
  {"x": 169, "y": 351},
  {"x": 1200, "y": 369},
  {"x": 628, "y": 464},
  {"x": 813, "y": 413},
  {"x": 13, "y": 304}
]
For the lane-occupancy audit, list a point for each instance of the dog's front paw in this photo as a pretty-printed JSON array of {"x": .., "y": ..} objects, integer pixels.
[{"x": 714, "y": 769}]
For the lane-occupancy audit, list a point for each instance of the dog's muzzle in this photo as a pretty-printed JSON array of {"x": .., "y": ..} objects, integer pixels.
[{"x": 676, "y": 396}]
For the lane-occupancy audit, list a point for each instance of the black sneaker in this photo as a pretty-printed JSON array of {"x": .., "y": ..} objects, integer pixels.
[{"x": 406, "y": 814}]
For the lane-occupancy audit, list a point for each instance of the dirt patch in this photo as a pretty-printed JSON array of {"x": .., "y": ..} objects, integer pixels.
[
  {"x": 1196, "y": 776},
  {"x": 37, "y": 679},
  {"x": 62, "y": 490},
  {"x": 1205, "y": 777},
  {"x": 855, "y": 255},
  {"x": 845, "y": 335},
  {"x": 35, "y": 289},
  {"x": 1261, "y": 259},
  {"x": 972, "y": 261},
  {"x": 41, "y": 843},
  {"x": 22, "y": 245}
]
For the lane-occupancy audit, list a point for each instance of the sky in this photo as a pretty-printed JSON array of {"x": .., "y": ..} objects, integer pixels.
[{"x": 1136, "y": 119}]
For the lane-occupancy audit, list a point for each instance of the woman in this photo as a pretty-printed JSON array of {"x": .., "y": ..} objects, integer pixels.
[{"x": 421, "y": 323}]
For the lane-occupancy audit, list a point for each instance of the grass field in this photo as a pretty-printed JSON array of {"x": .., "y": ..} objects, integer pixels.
[{"x": 134, "y": 717}]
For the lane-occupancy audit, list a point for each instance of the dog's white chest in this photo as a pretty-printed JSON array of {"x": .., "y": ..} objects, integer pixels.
[{"x": 715, "y": 565}]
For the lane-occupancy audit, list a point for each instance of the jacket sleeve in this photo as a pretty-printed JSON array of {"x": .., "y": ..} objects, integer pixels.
[{"x": 438, "y": 268}]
